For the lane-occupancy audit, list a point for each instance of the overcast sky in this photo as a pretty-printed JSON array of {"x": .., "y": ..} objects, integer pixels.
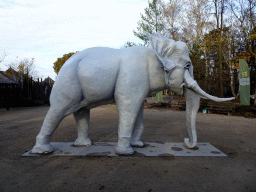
[{"x": 48, "y": 29}]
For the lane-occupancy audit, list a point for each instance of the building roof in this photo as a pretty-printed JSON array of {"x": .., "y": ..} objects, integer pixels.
[
  {"x": 11, "y": 70},
  {"x": 4, "y": 79},
  {"x": 48, "y": 80}
]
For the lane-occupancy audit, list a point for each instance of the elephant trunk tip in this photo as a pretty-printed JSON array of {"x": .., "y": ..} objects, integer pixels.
[{"x": 189, "y": 144}]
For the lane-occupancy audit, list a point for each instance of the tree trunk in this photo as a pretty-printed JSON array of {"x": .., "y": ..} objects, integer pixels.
[
  {"x": 220, "y": 65},
  {"x": 219, "y": 29},
  {"x": 255, "y": 83}
]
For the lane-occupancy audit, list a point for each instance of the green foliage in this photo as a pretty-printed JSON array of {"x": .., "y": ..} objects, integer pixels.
[
  {"x": 197, "y": 58},
  {"x": 150, "y": 22},
  {"x": 60, "y": 62},
  {"x": 129, "y": 44}
]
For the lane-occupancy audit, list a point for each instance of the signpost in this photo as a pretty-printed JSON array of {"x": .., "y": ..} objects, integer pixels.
[
  {"x": 159, "y": 96},
  {"x": 244, "y": 82}
]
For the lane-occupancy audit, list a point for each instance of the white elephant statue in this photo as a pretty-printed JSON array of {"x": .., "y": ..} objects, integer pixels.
[{"x": 98, "y": 76}]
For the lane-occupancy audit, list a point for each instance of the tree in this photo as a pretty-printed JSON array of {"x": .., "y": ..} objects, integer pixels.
[
  {"x": 198, "y": 61},
  {"x": 129, "y": 44},
  {"x": 195, "y": 22},
  {"x": 25, "y": 67},
  {"x": 2, "y": 57},
  {"x": 150, "y": 22},
  {"x": 60, "y": 62},
  {"x": 171, "y": 17},
  {"x": 211, "y": 40},
  {"x": 244, "y": 11},
  {"x": 213, "y": 36},
  {"x": 219, "y": 8}
]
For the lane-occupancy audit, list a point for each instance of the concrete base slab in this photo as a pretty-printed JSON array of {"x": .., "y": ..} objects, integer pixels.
[{"x": 150, "y": 149}]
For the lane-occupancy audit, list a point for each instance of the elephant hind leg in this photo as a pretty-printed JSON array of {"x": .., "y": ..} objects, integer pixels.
[
  {"x": 51, "y": 122},
  {"x": 82, "y": 117},
  {"x": 57, "y": 112}
]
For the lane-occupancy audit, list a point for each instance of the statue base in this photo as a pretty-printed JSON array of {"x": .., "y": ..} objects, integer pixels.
[{"x": 151, "y": 149}]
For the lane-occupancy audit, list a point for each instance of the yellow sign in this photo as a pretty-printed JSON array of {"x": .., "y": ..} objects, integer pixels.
[{"x": 244, "y": 74}]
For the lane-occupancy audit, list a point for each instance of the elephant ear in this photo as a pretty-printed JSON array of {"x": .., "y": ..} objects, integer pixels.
[{"x": 163, "y": 47}]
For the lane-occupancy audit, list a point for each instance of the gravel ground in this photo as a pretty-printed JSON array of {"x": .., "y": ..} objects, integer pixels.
[{"x": 235, "y": 136}]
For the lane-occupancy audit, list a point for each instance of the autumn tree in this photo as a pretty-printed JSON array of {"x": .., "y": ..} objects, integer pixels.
[
  {"x": 244, "y": 12},
  {"x": 25, "y": 67},
  {"x": 196, "y": 20},
  {"x": 211, "y": 40},
  {"x": 216, "y": 38},
  {"x": 60, "y": 62},
  {"x": 172, "y": 12}
]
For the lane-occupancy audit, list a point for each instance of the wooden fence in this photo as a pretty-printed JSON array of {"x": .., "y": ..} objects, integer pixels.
[{"x": 27, "y": 93}]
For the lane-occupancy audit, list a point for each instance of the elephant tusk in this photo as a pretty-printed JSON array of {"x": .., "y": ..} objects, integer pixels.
[
  {"x": 183, "y": 84},
  {"x": 192, "y": 84}
]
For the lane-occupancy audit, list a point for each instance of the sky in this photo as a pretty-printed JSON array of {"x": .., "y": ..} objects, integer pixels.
[{"x": 47, "y": 29}]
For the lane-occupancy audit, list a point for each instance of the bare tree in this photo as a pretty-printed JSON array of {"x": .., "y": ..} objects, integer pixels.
[
  {"x": 26, "y": 68},
  {"x": 2, "y": 57},
  {"x": 244, "y": 11},
  {"x": 196, "y": 20},
  {"x": 171, "y": 13},
  {"x": 196, "y": 23}
]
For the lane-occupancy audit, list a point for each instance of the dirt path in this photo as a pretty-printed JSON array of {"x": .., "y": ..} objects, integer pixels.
[{"x": 233, "y": 135}]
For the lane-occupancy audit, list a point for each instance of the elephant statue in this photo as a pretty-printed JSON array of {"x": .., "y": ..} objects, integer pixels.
[{"x": 98, "y": 76}]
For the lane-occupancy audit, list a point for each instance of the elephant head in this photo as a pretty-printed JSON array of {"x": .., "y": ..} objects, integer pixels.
[{"x": 174, "y": 57}]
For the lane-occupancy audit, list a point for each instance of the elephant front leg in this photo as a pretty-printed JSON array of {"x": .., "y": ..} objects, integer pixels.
[
  {"x": 82, "y": 117},
  {"x": 128, "y": 111},
  {"x": 138, "y": 129}
]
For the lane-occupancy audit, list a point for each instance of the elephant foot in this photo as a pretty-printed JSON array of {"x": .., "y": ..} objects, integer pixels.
[
  {"x": 124, "y": 151},
  {"x": 137, "y": 144},
  {"x": 42, "y": 149},
  {"x": 82, "y": 142}
]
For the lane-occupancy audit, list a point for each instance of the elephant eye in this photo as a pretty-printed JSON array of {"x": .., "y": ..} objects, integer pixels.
[{"x": 187, "y": 65}]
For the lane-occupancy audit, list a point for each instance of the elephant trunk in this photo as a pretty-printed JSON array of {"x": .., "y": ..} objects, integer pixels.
[
  {"x": 192, "y": 106},
  {"x": 193, "y": 94}
]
